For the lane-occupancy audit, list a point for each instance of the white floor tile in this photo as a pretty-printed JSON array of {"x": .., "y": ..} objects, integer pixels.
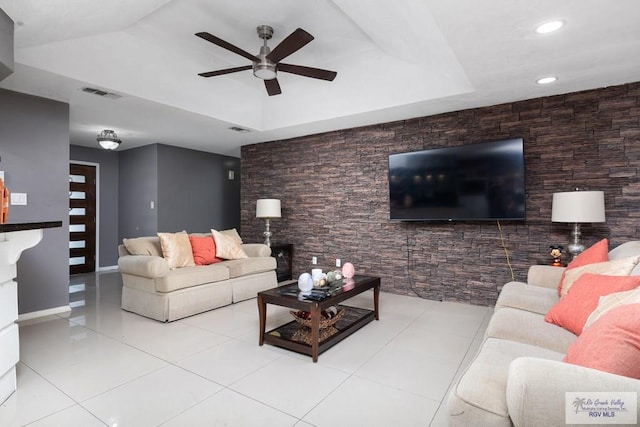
[
  {"x": 151, "y": 399},
  {"x": 361, "y": 402},
  {"x": 291, "y": 385},
  {"x": 228, "y": 408},
  {"x": 35, "y": 398},
  {"x": 410, "y": 371},
  {"x": 224, "y": 321},
  {"x": 87, "y": 363},
  {"x": 230, "y": 361},
  {"x": 75, "y": 416}
]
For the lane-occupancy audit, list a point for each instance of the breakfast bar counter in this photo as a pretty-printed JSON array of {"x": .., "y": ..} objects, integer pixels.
[{"x": 14, "y": 239}]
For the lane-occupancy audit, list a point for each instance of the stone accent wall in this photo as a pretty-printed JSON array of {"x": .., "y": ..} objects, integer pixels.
[{"x": 334, "y": 192}]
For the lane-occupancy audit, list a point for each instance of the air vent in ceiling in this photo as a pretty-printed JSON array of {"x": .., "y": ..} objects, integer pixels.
[
  {"x": 101, "y": 93},
  {"x": 239, "y": 129}
]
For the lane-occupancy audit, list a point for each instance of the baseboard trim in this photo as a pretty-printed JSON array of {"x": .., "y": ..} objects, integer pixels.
[
  {"x": 108, "y": 268},
  {"x": 42, "y": 313}
]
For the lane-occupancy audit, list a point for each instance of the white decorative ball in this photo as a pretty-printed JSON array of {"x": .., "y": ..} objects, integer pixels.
[{"x": 305, "y": 282}]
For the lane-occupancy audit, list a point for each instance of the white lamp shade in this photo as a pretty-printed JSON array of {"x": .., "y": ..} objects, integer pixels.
[
  {"x": 268, "y": 208},
  {"x": 578, "y": 207}
]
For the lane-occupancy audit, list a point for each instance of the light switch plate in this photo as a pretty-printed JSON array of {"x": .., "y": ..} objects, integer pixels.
[{"x": 19, "y": 199}]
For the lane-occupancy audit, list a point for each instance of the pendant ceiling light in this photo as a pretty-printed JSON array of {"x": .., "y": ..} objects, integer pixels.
[{"x": 108, "y": 139}]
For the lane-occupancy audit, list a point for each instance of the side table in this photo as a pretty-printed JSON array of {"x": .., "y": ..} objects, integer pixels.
[{"x": 283, "y": 253}]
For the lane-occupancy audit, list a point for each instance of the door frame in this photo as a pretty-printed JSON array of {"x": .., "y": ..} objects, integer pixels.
[{"x": 97, "y": 166}]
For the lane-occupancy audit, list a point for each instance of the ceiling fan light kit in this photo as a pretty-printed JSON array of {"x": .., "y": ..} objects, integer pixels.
[{"x": 267, "y": 63}]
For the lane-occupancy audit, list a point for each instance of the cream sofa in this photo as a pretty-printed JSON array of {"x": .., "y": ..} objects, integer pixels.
[
  {"x": 518, "y": 377},
  {"x": 153, "y": 290}
]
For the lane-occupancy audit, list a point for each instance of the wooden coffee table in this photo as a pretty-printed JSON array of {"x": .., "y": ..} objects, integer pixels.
[{"x": 313, "y": 341}]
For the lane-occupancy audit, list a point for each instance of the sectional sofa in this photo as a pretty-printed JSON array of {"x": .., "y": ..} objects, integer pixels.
[{"x": 518, "y": 376}]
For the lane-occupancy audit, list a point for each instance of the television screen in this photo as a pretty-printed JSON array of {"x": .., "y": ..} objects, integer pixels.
[{"x": 477, "y": 182}]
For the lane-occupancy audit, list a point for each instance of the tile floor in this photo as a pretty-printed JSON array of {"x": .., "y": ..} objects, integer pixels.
[{"x": 101, "y": 366}]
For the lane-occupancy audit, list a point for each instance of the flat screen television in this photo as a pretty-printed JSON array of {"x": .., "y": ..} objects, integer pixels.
[{"x": 482, "y": 181}]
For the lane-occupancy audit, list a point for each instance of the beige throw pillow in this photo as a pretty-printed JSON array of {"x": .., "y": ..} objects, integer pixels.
[
  {"x": 619, "y": 267},
  {"x": 233, "y": 233},
  {"x": 143, "y": 246},
  {"x": 228, "y": 246},
  {"x": 611, "y": 301},
  {"x": 176, "y": 249}
]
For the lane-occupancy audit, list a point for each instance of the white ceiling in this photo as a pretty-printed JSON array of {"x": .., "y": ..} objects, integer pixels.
[{"x": 395, "y": 60}]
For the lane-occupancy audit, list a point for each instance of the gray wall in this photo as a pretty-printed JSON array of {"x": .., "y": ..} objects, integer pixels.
[
  {"x": 194, "y": 192},
  {"x": 108, "y": 199},
  {"x": 34, "y": 154},
  {"x": 138, "y": 186},
  {"x": 189, "y": 188}
]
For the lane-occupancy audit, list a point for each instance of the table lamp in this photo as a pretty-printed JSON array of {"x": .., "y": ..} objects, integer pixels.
[
  {"x": 267, "y": 209},
  {"x": 577, "y": 207}
]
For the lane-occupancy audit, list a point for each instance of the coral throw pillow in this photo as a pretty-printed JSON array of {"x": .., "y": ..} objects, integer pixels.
[
  {"x": 228, "y": 247},
  {"x": 612, "y": 344},
  {"x": 609, "y": 302},
  {"x": 176, "y": 249},
  {"x": 204, "y": 250},
  {"x": 573, "y": 309},
  {"x": 598, "y": 252}
]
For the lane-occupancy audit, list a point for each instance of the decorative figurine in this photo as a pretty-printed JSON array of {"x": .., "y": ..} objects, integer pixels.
[
  {"x": 348, "y": 270},
  {"x": 556, "y": 254}
]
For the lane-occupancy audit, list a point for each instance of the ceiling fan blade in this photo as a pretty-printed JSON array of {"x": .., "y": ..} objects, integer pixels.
[
  {"x": 314, "y": 73},
  {"x": 289, "y": 45},
  {"x": 225, "y": 71},
  {"x": 273, "y": 87},
  {"x": 226, "y": 45}
]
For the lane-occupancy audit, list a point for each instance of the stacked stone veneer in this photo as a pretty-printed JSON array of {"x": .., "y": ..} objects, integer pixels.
[{"x": 334, "y": 192}]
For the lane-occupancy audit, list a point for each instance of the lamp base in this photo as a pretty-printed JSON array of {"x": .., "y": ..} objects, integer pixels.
[
  {"x": 267, "y": 234},
  {"x": 575, "y": 248}
]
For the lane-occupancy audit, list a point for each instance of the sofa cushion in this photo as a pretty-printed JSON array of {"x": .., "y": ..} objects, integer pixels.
[
  {"x": 176, "y": 249},
  {"x": 204, "y": 250},
  {"x": 186, "y": 277},
  {"x": 228, "y": 246},
  {"x": 611, "y": 301},
  {"x": 143, "y": 246},
  {"x": 598, "y": 252},
  {"x": 619, "y": 267},
  {"x": 573, "y": 309},
  {"x": 612, "y": 344},
  {"x": 527, "y": 297},
  {"x": 483, "y": 386},
  {"x": 246, "y": 266},
  {"x": 528, "y": 328}
]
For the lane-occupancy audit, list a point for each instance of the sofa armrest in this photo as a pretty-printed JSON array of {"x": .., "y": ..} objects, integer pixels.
[
  {"x": 546, "y": 276},
  {"x": 536, "y": 389},
  {"x": 256, "y": 250},
  {"x": 143, "y": 265}
]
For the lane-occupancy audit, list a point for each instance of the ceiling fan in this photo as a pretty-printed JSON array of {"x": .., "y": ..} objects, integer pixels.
[{"x": 267, "y": 63}]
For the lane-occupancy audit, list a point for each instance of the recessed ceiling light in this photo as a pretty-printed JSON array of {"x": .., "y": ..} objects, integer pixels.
[
  {"x": 549, "y": 27},
  {"x": 546, "y": 80}
]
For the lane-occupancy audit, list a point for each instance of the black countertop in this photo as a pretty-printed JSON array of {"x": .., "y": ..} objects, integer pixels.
[{"x": 21, "y": 226}]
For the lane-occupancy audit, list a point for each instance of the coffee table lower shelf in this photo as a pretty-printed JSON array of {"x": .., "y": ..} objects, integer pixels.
[{"x": 295, "y": 337}]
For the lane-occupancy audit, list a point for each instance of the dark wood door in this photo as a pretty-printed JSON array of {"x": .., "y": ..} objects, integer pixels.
[{"x": 82, "y": 219}]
